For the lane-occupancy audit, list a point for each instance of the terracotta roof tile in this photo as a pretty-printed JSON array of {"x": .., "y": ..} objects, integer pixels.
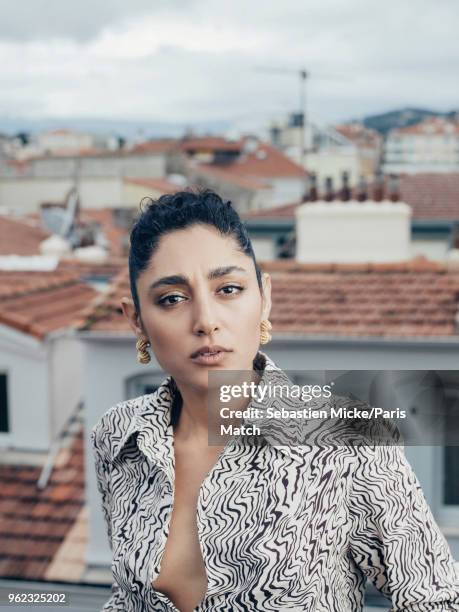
[
  {"x": 20, "y": 236},
  {"x": 429, "y": 125},
  {"x": 35, "y": 522},
  {"x": 409, "y": 299},
  {"x": 264, "y": 163},
  {"x": 210, "y": 144},
  {"x": 158, "y": 184},
  {"x": 37, "y": 303},
  {"x": 154, "y": 146},
  {"x": 226, "y": 175}
]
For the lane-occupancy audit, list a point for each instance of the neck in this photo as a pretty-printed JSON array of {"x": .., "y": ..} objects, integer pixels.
[{"x": 191, "y": 414}]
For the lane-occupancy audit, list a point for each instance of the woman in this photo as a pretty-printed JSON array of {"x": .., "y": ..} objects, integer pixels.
[{"x": 261, "y": 527}]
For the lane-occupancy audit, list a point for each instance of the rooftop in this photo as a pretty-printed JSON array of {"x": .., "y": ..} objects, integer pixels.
[
  {"x": 43, "y": 532},
  {"x": 430, "y": 125},
  {"x": 431, "y": 197},
  {"x": 20, "y": 236},
  {"x": 414, "y": 299},
  {"x": 38, "y": 303},
  {"x": 158, "y": 184},
  {"x": 265, "y": 162}
]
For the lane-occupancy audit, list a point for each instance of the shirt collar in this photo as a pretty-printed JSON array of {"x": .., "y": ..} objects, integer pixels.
[{"x": 152, "y": 412}]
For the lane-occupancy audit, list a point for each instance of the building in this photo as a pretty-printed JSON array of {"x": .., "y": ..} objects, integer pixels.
[
  {"x": 249, "y": 172},
  {"x": 429, "y": 146},
  {"x": 99, "y": 176},
  {"x": 37, "y": 309},
  {"x": 331, "y": 151},
  {"x": 433, "y": 199},
  {"x": 63, "y": 142}
]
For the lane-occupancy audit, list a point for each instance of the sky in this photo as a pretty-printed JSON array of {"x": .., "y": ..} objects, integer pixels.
[{"x": 207, "y": 60}]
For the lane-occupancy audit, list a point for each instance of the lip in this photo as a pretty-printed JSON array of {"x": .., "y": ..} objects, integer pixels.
[
  {"x": 212, "y": 348},
  {"x": 214, "y": 355}
]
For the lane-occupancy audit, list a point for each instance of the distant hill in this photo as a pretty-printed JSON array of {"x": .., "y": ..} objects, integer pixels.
[{"x": 401, "y": 118}]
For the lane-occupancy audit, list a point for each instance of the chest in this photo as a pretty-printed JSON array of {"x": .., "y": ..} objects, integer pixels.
[{"x": 251, "y": 508}]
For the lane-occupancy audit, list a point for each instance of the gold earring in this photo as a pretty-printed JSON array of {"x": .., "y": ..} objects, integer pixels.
[
  {"x": 143, "y": 355},
  {"x": 265, "y": 327}
]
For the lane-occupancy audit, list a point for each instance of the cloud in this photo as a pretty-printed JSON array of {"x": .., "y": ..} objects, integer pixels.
[
  {"x": 193, "y": 61},
  {"x": 26, "y": 20}
]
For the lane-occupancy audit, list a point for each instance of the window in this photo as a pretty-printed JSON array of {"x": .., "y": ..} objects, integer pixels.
[
  {"x": 143, "y": 384},
  {"x": 4, "y": 421},
  {"x": 451, "y": 453}
]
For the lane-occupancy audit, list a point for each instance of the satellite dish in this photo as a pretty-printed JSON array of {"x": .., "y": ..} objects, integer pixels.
[{"x": 72, "y": 206}]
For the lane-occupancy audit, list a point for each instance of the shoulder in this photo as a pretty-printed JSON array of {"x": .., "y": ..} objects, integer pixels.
[{"x": 115, "y": 425}]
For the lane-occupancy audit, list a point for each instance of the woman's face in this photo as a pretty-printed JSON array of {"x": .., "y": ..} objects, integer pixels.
[{"x": 200, "y": 290}]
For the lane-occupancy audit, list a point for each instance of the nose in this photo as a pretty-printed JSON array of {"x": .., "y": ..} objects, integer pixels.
[{"x": 205, "y": 320}]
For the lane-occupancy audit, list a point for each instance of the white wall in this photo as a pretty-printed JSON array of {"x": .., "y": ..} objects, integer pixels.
[
  {"x": 332, "y": 163},
  {"x": 66, "y": 379},
  {"x": 328, "y": 232},
  {"x": 436, "y": 250},
  {"x": 26, "y": 194},
  {"x": 25, "y": 361},
  {"x": 285, "y": 190}
]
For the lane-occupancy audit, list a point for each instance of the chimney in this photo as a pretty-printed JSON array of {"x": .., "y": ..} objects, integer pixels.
[
  {"x": 345, "y": 193},
  {"x": 329, "y": 194},
  {"x": 353, "y": 232},
  {"x": 313, "y": 187},
  {"x": 378, "y": 187},
  {"x": 394, "y": 195},
  {"x": 362, "y": 190}
]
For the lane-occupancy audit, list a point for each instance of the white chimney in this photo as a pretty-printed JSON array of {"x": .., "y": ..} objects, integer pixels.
[{"x": 353, "y": 232}]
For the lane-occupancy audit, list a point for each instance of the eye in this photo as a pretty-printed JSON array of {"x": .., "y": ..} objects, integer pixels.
[
  {"x": 165, "y": 301},
  {"x": 239, "y": 289}
]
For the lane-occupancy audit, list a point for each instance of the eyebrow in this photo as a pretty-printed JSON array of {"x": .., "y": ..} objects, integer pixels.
[{"x": 179, "y": 279}]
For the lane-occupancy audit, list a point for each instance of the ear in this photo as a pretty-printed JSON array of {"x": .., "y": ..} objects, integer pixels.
[
  {"x": 266, "y": 296},
  {"x": 129, "y": 312}
]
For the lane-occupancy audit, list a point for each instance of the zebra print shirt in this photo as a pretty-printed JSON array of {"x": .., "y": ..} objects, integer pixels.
[{"x": 296, "y": 528}]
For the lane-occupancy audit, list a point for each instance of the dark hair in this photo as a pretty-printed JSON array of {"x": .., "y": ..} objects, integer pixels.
[{"x": 178, "y": 211}]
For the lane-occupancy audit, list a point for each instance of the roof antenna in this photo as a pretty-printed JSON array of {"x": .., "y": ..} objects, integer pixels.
[
  {"x": 329, "y": 195},
  {"x": 345, "y": 193},
  {"x": 362, "y": 192},
  {"x": 394, "y": 195},
  {"x": 378, "y": 190}
]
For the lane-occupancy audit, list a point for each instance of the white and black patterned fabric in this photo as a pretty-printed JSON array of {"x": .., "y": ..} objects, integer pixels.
[{"x": 296, "y": 528}]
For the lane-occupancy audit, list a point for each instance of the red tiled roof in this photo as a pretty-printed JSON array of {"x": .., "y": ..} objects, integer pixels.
[
  {"x": 210, "y": 144},
  {"x": 414, "y": 299},
  {"x": 358, "y": 133},
  {"x": 159, "y": 184},
  {"x": 83, "y": 269},
  {"x": 35, "y": 522},
  {"x": 430, "y": 125},
  {"x": 163, "y": 145},
  {"x": 264, "y": 163},
  {"x": 20, "y": 236},
  {"x": 38, "y": 303},
  {"x": 227, "y": 176},
  {"x": 285, "y": 211},
  {"x": 431, "y": 196}
]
